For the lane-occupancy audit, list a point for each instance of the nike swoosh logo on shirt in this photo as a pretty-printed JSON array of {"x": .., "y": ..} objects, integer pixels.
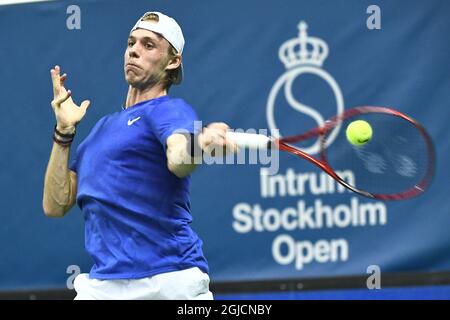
[{"x": 131, "y": 121}]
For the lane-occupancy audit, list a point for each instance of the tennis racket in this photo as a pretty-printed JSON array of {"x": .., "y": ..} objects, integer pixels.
[{"x": 397, "y": 163}]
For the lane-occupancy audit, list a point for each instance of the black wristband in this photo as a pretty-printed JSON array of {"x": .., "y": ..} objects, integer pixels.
[
  {"x": 62, "y": 143},
  {"x": 193, "y": 146},
  {"x": 64, "y": 135}
]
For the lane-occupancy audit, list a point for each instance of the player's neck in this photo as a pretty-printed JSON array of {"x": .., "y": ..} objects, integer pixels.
[{"x": 136, "y": 95}]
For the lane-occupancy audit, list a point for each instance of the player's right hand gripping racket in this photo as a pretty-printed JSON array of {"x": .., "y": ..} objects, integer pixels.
[{"x": 396, "y": 164}]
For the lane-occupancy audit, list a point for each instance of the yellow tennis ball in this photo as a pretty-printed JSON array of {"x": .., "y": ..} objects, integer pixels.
[{"x": 359, "y": 132}]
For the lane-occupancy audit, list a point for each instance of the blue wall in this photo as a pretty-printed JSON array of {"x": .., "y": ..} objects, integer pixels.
[{"x": 231, "y": 66}]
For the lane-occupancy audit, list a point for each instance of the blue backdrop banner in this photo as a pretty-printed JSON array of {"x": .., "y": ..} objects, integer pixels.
[{"x": 280, "y": 218}]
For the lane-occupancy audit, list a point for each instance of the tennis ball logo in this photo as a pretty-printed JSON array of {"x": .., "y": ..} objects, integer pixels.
[{"x": 359, "y": 132}]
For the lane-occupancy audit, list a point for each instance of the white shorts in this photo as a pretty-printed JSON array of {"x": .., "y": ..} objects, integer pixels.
[{"x": 178, "y": 285}]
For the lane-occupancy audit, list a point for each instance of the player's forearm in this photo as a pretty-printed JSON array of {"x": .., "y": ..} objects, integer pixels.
[
  {"x": 181, "y": 170},
  {"x": 58, "y": 196},
  {"x": 179, "y": 161}
]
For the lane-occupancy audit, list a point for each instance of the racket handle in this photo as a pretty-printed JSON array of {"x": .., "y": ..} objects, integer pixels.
[{"x": 249, "y": 140}]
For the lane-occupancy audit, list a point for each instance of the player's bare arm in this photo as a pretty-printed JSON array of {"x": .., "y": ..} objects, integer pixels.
[
  {"x": 179, "y": 161},
  {"x": 211, "y": 139},
  {"x": 60, "y": 186}
]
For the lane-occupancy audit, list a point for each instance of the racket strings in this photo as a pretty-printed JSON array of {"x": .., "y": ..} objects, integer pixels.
[{"x": 396, "y": 160}]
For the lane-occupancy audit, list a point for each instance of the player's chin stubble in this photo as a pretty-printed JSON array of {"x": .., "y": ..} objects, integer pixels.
[{"x": 154, "y": 78}]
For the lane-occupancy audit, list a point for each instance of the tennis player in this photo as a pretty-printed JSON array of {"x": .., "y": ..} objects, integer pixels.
[{"x": 131, "y": 176}]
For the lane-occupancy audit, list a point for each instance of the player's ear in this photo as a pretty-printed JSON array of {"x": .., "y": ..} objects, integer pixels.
[{"x": 174, "y": 62}]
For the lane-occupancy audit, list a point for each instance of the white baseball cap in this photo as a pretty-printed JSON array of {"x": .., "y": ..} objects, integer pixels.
[{"x": 169, "y": 29}]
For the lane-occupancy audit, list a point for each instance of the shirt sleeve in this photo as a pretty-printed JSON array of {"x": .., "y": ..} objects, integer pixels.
[{"x": 175, "y": 116}]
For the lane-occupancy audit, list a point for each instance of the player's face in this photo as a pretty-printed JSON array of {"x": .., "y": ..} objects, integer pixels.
[{"x": 146, "y": 58}]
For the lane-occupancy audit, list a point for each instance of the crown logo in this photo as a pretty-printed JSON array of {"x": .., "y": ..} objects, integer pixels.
[{"x": 303, "y": 50}]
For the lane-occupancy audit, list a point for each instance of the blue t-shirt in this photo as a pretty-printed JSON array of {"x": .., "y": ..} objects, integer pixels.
[{"x": 136, "y": 212}]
